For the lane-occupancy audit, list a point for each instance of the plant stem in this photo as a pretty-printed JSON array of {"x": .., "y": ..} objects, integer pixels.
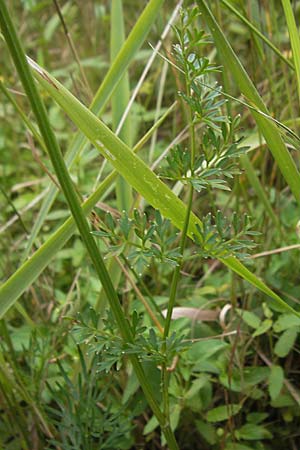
[{"x": 176, "y": 273}]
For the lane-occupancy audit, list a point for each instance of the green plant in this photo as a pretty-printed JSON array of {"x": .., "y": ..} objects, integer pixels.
[{"x": 139, "y": 312}]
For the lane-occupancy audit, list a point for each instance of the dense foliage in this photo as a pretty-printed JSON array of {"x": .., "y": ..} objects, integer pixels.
[{"x": 170, "y": 317}]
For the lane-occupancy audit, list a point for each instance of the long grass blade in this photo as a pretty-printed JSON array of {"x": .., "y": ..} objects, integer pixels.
[
  {"x": 258, "y": 33},
  {"x": 57, "y": 159},
  {"x": 134, "y": 170},
  {"x": 120, "y": 100},
  {"x": 130, "y": 166},
  {"x": 260, "y": 192},
  {"x": 294, "y": 38}
]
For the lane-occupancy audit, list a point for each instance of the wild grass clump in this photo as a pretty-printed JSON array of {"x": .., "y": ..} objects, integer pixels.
[{"x": 148, "y": 299}]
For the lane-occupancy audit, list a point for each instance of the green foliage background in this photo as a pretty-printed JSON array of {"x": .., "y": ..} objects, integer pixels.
[{"x": 208, "y": 234}]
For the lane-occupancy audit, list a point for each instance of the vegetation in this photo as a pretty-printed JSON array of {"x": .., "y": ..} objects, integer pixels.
[{"x": 150, "y": 194}]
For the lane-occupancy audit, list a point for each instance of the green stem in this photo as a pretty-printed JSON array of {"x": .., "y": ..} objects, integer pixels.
[
  {"x": 65, "y": 181},
  {"x": 176, "y": 273},
  {"x": 165, "y": 391}
]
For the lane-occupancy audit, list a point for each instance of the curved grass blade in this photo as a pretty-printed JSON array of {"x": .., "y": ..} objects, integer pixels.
[
  {"x": 130, "y": 166},
  {"x": 119, "y": 102},
  {"x": 135, "y": 171}
]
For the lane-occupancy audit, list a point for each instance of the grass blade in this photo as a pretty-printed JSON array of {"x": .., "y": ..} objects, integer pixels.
[
  {"x": 294, "y": 37},
  {"x": 258, "y": 33},
  {"x": 135, "y": 171},
  {"x": 120, "y": 100},
  {"x": 132, "y": 168},
  {"x": 28, "y": 272},
  {"x": 57, "y": 159},
  {"x": 260, "y": 192}
]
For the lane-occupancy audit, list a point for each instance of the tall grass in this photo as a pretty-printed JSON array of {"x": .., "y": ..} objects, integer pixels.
[{"x": 157, "y": 242}]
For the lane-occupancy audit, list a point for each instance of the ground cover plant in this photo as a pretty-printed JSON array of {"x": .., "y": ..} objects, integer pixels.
[{"x": 150, "y": 195}]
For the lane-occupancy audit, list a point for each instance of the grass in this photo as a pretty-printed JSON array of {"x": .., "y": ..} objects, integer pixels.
[{"x": 93, "y": 278}]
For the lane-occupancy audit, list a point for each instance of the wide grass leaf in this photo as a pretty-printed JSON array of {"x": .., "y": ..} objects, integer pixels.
[{"x": 137, "y": 174}]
